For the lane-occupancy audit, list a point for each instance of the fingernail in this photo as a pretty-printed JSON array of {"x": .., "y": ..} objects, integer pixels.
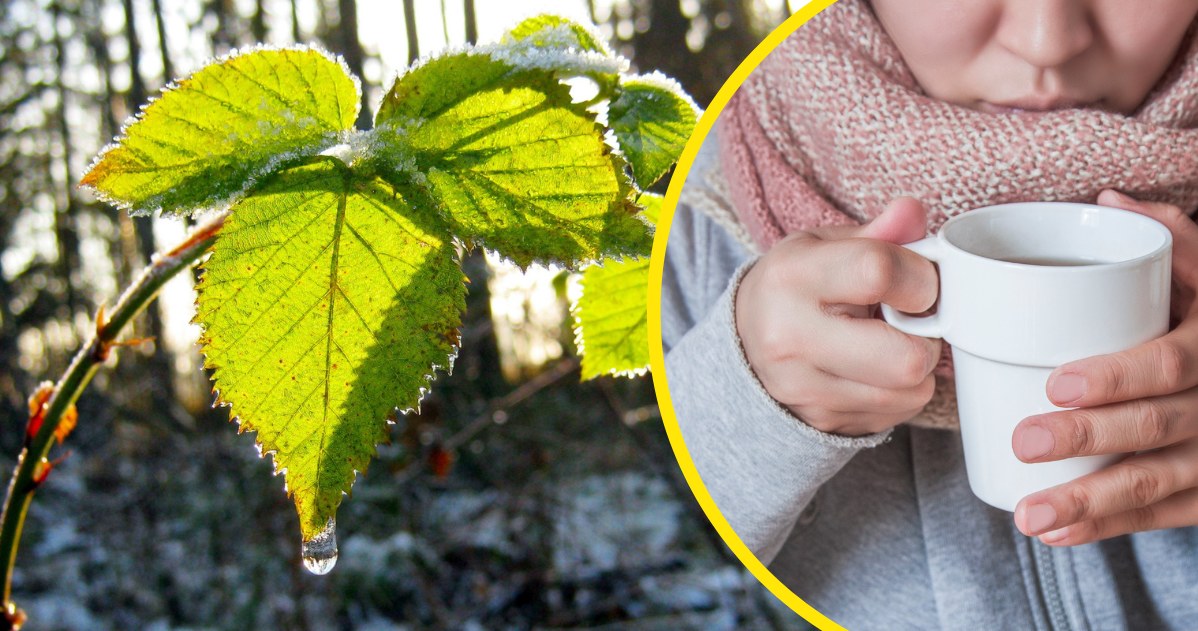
[
  {"x": 1040, "y": 517},
  {"x": 1067, "y": 388},
  {"x": 1034, "y": 442},
  {"x": 1054, "y": 536}
]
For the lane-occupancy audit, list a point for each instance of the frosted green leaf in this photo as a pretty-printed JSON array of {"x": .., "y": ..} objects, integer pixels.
[
  {"x": 512, "y": 163},
  {"x": 206, "y": 139},
  {"x": 549, "y": 42},
  {"x": 610, "y": 319},
  {"x": 327, "y": 303},
  {"x": 652, "y": 119},
  {"x": 551, "y": 31}
]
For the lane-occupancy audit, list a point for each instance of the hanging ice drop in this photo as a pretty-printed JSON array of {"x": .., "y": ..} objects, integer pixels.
[{"x": 320, "y": 552}]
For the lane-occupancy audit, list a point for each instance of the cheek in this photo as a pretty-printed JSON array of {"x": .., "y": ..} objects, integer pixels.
[
  {"x": 943, "y": 43},
  {"x": 947, "y": 54},
  {"x": 1143, "y": 46}
]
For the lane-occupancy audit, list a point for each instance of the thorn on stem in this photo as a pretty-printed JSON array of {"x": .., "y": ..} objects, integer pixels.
[
  {"x": 103, "y": 348},
  {"x": 135, "y": 341},
  {"x": 100, "y": 347},
  {"x": 43, "y": 469},
  {"x": 101, "y": 321}
]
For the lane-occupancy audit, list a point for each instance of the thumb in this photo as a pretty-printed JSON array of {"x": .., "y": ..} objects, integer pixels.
[{"x": 904, "y": 220}]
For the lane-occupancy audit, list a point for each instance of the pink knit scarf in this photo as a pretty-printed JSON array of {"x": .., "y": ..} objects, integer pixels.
[{"x": 832, "y": 126}]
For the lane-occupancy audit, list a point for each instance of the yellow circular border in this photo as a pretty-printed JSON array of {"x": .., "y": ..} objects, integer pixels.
[{"x": 657, "y": 357}]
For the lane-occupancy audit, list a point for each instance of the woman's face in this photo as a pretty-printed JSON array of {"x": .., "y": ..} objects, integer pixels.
[{"x": 1020, "y": 55}]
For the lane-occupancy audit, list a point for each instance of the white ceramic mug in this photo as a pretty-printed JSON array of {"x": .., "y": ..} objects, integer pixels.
[{"x": 1093, "y": 280}]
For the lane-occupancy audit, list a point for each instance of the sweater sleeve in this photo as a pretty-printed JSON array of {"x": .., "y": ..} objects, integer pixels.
[{"x": 760, "y": 463}]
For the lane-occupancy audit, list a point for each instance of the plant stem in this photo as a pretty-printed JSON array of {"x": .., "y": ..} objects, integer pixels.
[{"x": 25, "y": 480}]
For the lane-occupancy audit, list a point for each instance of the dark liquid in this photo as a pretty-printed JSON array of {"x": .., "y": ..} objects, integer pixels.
[{"x": 1050, "y": 261}]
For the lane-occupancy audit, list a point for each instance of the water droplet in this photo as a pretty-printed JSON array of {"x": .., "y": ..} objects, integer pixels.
[{"x": 320, "y": 552}]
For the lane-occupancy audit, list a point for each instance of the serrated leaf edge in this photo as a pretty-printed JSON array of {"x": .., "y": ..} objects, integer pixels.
[
  {"x": 576, "y": 316},
  {"x": 151, "y": 206},
  {"x": 571, "y": 62},
  {"x": 589, "y": 29},
  {"x": 624, "y": 202},
  {"x": 658, "y": 80}
]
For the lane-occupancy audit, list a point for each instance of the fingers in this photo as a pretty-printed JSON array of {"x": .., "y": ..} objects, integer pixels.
[
  {"x": 799, "y": 384},
  {"x": 1162, "y": 366},
  {"x": 868, "y": 272},
  {"x": 849, "y": 271},
  {"x": 846, "y": 407},
  {"x": 904, "y": 220},
  {"x": 1135, "y": 483},
  {"x": 1110, "y": 429},
  {"x": 862, "y": 265},
  {"x": 803, "y": 316},
  {"x": 875, "y": 353},
  {"x": 1140, "y": 399},
  {"x": 1166, "y": 365},
  {"x": 1176, "y": 511}
]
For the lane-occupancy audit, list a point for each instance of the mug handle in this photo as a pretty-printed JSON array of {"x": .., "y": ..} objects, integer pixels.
[{"x": 925, "y": 326}]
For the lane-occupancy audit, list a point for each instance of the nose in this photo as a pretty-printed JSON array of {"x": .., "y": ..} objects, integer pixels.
[{"x": 1046, "y": 33}]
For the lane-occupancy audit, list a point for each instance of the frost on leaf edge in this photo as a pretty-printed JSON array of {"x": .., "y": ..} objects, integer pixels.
[
  {"x": 565, "y": 25},
  {"x": 523, "y": 57},
  {"x": 664, "y": 82},
  {"x": 576, "y": 279},
  {"x": 405, "y": 168},
  {"x": 153, "y": 204}
]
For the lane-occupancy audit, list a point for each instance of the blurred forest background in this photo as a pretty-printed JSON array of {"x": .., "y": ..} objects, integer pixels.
[{"x": 518, "y": 497}]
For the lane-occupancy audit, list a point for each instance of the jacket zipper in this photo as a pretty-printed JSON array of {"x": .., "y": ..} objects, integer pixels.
[{"x": 1048, "y": 587}]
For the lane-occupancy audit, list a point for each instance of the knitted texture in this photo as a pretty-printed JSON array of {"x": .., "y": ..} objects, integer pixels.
[{"x": 833, "y": 126}]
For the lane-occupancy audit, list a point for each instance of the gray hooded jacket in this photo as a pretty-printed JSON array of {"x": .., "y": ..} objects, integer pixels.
[{"x": 882, "y": 531}]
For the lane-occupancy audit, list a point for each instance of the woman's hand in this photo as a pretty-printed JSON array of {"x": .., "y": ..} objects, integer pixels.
[
  {"x": 804, "y": 315},
  {"x": 1142, "y": 399}
]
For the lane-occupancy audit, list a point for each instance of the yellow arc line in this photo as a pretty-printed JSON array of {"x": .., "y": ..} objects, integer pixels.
[{"x": 657, "y": 357}]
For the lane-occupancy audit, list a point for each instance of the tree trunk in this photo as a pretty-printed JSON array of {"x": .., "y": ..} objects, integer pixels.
[
  {"x": 351, "y": 50},
  {"x": 222, "y": 39},
  {"x": 121, "y": 244},
  {"x": 11, "y": 386},
  {"x": 471, "y": 21},
  {"x": 168, "y": 69},
  {"x": 663, "y": 45},
  {"x": 409, "y": 20},
  {"x": 66, "y": 217},
  {"x": 143, "y": 225},
  {"x": 444, "y": 23},
  {"x": 162, "y": 390},
  {"x": 258, "y": 22},
  {"x": 295, "y": 27}
]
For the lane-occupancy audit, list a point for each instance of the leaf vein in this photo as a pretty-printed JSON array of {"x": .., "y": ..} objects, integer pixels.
[
  {"x": 375, "y": 256},
  {"x": 265, "y": 88},
  {"x": 263, "y": 265}
]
